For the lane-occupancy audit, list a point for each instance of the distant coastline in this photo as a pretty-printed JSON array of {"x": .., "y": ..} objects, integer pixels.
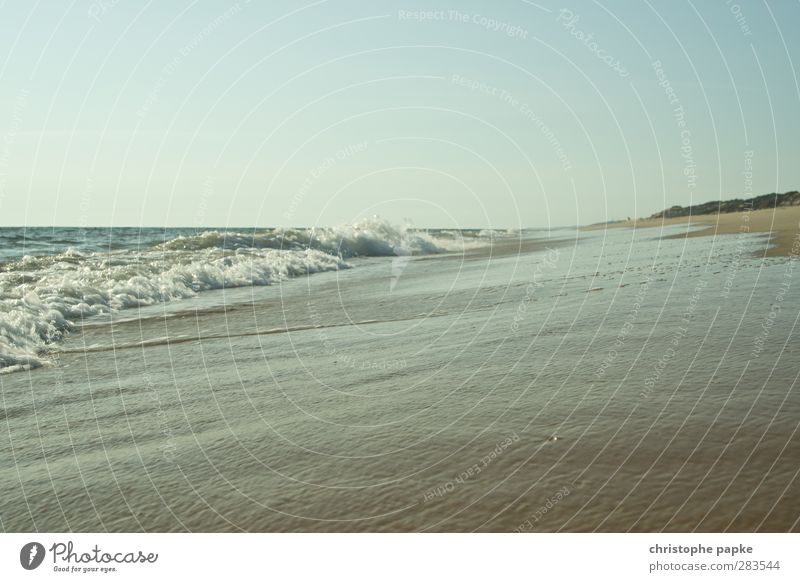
[
  {"x": 763, "y": 202},
  {"x": 776, "y": 214}
]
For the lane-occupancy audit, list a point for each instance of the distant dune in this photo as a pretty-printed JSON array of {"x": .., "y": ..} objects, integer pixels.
[
  {"x": 777, "y": 214},
  {"x": 763, "y": 202}
]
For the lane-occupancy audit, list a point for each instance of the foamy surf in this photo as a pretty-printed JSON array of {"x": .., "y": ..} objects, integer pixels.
[
  {"x": 370, "y": 238},
  {"x": 42, "y": 296}
]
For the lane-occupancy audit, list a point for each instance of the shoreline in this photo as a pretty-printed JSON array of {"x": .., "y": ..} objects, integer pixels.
[
  {"x": 783, "y": 225},
  {"x": 343, "y": 401}
]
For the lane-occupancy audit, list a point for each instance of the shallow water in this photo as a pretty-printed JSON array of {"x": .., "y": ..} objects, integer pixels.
[
  {"x": 53, "y": 278},
  {"x": 602, "y": 381}
]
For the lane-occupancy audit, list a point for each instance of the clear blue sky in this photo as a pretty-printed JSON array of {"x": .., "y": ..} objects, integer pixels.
[{"x": 501, "y": 114}]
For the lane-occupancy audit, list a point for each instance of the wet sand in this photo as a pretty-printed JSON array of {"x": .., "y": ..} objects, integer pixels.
[
  {"x": 621, "y": 383},
  {"x": 782, "y": 223}
]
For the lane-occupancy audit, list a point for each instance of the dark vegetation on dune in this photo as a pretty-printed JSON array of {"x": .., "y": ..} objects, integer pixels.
[{"x": 765, "y": 201}]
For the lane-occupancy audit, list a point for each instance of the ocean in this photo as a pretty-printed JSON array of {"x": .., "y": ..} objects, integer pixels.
[{"x": 372, "y": 377}]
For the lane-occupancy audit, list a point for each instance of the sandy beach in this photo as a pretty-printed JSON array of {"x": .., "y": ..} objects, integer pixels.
[
  {"x": 783, "y": 224},
  {"x": 623, "y": 381}
]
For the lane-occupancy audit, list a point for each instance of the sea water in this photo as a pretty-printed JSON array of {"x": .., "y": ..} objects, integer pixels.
[{"x": 446, "y": 381}]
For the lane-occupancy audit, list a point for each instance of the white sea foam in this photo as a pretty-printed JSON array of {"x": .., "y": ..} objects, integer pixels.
[
  {"x": 42, "y": 297},
  {"x": 371, "y": 237}
]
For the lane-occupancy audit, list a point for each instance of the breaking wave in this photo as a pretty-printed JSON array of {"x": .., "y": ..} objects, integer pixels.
[
  {"x": 368, "y": 238},
  {"x": 43, "y": 296}
]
